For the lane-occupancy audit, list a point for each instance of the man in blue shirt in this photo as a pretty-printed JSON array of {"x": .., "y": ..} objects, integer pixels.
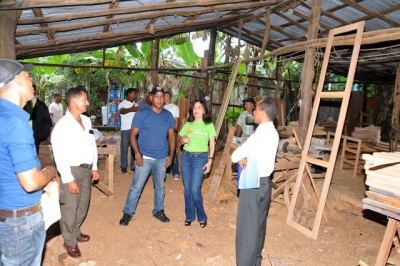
[
  {"x": 21, "y": 179},
  {"x": 153, "y": 140}
]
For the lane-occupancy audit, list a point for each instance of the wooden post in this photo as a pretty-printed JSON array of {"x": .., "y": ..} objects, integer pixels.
[
  {"x": 153, "y": 61},
  {"x": 307, "y": 73},
  {"x": 8, "y": 25},
  {"x": 266, "y": 32},
  {"x": 210, "y": 73},
  {"x": 394, "y": 138}
]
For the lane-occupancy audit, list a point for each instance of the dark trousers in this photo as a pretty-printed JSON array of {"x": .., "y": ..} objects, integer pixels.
[
  {"x": 251, "y": 224},
  {"x": 74, "y": 207}
]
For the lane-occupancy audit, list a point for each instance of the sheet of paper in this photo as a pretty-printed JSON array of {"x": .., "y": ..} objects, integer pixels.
[
  {"x": 249, "y": 176},
  {"x": 51, "y": 205}
]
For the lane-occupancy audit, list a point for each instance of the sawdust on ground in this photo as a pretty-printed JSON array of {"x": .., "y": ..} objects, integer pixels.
[{"x": 347, "y": 234}]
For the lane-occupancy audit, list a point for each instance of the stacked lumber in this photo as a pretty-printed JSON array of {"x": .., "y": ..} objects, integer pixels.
[
  {"x": 383, "y": 178},
  {"x": 369, "y": 135},
  {"x": 385, "y": 146}
]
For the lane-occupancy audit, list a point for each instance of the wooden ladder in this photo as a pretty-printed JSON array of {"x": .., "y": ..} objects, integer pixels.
[{"x": 306, "y": 159}]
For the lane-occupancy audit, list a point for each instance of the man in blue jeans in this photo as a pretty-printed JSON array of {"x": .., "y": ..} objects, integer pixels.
[
  {"x": 22, "y": 229},
  {"x": 153, "y": 152}
]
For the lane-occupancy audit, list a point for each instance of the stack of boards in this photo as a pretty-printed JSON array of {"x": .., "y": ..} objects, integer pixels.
[{"x": 383, "y": 179}]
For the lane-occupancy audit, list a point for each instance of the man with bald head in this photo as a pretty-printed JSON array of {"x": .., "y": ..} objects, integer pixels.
[{"x": 22, "y": 230}]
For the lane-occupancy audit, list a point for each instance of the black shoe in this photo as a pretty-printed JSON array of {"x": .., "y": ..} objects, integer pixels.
[
  {"x": 123, "y": 170},
  {"x": 160, "y": 215},
  {"x": 125, "y": 219},
  {"x": 203, "y": 224}
]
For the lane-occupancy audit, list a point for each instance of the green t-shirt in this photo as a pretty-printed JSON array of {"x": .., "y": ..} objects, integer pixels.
[{"x": 199, "y": 134}]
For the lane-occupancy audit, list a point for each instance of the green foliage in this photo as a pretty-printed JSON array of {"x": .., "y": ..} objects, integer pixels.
[
  {"x": 45, "y": 77},
  {"x": 186, "y": 52},
  {"x": 232, "y": 114}
]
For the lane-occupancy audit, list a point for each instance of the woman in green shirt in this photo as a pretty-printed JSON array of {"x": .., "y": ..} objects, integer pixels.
[{"x": 198, "y": 136}]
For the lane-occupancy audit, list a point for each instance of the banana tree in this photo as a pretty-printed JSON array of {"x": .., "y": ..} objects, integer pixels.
[{"x": 46, "y": 77}]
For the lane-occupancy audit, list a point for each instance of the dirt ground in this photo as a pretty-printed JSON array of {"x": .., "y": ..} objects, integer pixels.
[{"x": 346, "y": 236}]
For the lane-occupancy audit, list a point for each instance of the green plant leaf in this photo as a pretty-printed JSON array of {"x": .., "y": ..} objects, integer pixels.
[{"x": 186, "y": 52}]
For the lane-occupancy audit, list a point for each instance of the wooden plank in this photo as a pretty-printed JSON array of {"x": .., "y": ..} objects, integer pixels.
[
  {"x": 107, "y": 149},
  {"x": 380, "y": 160},
  {"x": 219, "y": 172},
  {"x": 349, "y": 199},
  {"x": 350, "y": 145},
  {"x": 232, "y": 188},
  {"x": 285, "y": 165},
  {"x": 227, "y": 96},
  {"x": 281, "y": 187},
  {"x": 103, "y": 188},
  {"x": 332, "y": 94},
  {"x": 386, "y": 193},
  {"x": 379, "y": 185},
  {"x": 392, "y": 170},
  {"x": 386, "y": 243},
  {"x": 390, "y": 180},
  {"x": 316, "y": 161},
  {"x": 382, "y": 182},
  {"x": 381, "y": 205},
  {"x": 106, "y": 185},
  {"x": 383, "y": 199},
  {"x": 382, "y": 211}
]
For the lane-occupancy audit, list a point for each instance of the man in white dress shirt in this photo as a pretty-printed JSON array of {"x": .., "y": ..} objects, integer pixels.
[
  {"x": 127, "y": 109},
  {"x": 75, "y": 154},
  {"x": 56, "y": 109},
  {"x": 174, "y": 110},
  {"x": 253, "y": 205}
]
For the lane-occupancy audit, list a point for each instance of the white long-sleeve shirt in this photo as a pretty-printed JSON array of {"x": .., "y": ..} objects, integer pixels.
[
  {"x": 73, "y": 145},
  {"x": 261, "y": 146}
]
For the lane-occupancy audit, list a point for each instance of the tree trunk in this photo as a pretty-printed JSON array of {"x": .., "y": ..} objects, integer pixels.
[
  {"x": 210, "y": 73},
  {"x": 154, "y": 61},
  {"x": 307, "y": 73}
]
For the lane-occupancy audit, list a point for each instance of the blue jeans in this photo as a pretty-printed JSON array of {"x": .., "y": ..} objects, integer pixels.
[
  {"x": 22, "y": 240},
  {"x": 139, "y": 179},
  {"x": 175, "y": 165},
  {"x": 125, "y": 145},
  {"x": 192, "y": 174}
]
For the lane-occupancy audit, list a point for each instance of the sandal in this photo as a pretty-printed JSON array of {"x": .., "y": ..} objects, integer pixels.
[
  {"x": 203, "y": 224},
  {"x": 187, "y": 223}
]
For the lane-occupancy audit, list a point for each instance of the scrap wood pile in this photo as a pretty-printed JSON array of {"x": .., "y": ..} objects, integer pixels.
[
  {"x": 382, "y": 170},
  {"x": 285, "y": 132}
]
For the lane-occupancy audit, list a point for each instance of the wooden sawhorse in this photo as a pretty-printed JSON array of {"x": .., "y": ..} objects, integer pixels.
[
  {"x": 392, "y": 227},
  {"x": 106, "y": 184}
]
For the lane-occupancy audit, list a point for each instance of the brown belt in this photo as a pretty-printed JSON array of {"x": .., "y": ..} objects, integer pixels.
[{"x": 21, "y": 212}]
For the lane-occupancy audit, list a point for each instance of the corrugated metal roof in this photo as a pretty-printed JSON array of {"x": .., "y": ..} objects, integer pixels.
[{"x": 47, "y": 28}]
